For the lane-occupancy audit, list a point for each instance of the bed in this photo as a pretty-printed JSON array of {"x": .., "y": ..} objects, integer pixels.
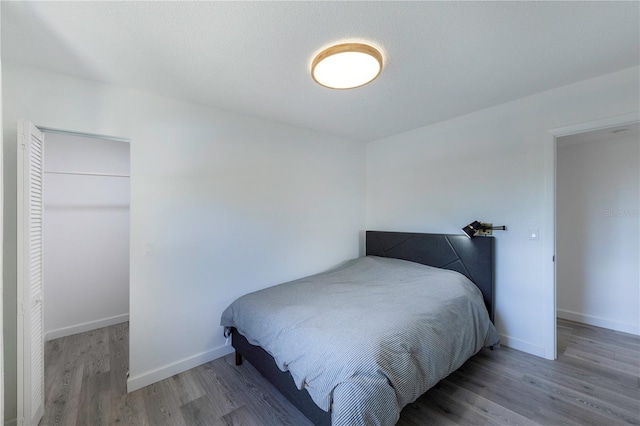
[{"x": 339, "y": 348}]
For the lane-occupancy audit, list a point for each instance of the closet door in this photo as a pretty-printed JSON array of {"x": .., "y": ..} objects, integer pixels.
[{"x": 30, "y": 290}]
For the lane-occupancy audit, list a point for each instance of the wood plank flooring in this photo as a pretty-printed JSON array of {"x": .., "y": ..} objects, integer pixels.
[{"x": 594, "y": 381}]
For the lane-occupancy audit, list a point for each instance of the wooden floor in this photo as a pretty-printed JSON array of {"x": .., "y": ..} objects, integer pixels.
[{"x": 594, "y": 381}]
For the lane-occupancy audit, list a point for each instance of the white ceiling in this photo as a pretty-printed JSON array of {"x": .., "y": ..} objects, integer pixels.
[
  {"x": 602, "y": 135},
  {"x": 442, "y": 59}
]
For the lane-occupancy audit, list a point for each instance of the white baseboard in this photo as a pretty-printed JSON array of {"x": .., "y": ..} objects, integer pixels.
[
  {"x": 522, "y": 345},
  {"x": 87, "y": 326},
  {"x": 145, "y": 379},
  {"x": 599, "y": 322}
]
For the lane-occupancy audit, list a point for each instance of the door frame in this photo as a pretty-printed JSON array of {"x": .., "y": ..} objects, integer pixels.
[
  {"x": 549, "y": 236},
  {"x": 22, "y": 414}
]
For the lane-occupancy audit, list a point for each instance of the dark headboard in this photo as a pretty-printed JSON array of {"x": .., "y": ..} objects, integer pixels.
[{"x": 471, "y": 257}]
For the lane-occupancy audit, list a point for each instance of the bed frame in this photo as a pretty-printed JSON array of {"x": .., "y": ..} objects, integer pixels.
[{"x": 473, "y": 258}]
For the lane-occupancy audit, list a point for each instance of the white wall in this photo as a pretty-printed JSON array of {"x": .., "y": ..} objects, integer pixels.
[
  {"x": 598, "y": 199},
  {"x": 490, "y": 166},
  {"x": 230, "y": 204},
  {"x": 86, "y": 235}
]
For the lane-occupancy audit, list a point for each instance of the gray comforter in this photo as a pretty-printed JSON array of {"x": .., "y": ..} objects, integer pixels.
[{"x": 368, "y": 337}]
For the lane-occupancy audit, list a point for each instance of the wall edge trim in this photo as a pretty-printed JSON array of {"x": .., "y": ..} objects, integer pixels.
[
  {"x": 522, "y": 345},
  {"x": 86, "y": 326},
  {"x": 152, "y": 376},
  {"x": 599, "y": 322}
]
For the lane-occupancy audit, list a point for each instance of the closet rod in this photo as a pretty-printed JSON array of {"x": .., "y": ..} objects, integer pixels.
[{"x": 85, "y": 173}]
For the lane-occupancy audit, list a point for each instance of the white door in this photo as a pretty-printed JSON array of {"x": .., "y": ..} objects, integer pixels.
[{"x": 30, "y": 310}]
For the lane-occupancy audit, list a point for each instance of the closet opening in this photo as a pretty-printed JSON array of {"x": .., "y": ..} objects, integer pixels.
[
  {"x": 85, "y": 232},
  {"x": 73, "y": 219}
]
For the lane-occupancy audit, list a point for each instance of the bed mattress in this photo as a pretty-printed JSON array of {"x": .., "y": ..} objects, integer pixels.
[{"x": 368, "y": 337}]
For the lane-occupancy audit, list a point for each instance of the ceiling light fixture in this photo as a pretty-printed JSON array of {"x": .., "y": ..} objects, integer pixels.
[{"x": 346, "y": 66}]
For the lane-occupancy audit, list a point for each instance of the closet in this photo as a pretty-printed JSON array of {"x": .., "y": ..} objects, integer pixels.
[{"x": 86, "y": 233}]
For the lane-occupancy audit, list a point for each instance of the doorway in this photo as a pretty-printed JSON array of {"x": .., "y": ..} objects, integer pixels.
[
  {"x": 550, "y": 236},
  {"x": 597, "y": 203}
]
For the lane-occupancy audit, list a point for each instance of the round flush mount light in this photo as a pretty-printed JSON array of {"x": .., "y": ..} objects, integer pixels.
[{"x": 346, "y": 66}]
